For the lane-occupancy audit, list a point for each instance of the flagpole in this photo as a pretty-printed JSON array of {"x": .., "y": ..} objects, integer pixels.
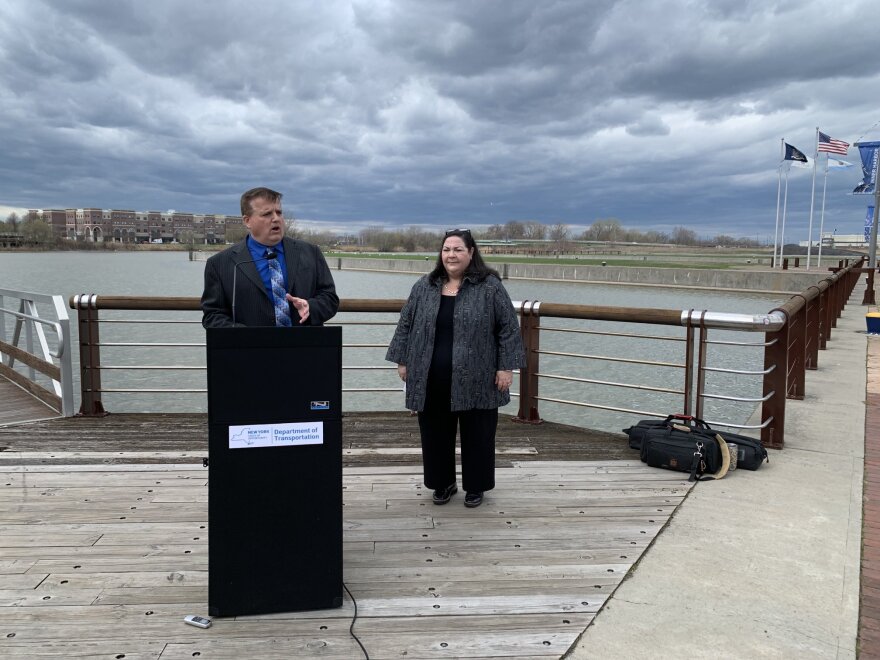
[
  {"x": 812, "y": 200},
  {"x": 778, "y": 196},
  {"x": 872, "y": 247},
  {"x": 822, "y": 216},
  {"x": 782, "y": 234},
  {"x": 778, "y": 200}
]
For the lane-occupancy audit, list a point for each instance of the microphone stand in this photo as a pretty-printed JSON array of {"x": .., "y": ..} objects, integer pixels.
[{"x": 270, "y": 254}]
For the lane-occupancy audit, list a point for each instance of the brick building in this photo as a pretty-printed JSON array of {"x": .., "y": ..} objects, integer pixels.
[{"x": 126, "y": 226}]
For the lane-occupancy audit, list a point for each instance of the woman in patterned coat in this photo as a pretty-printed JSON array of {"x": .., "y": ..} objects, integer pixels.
[{"x": 456, "y": 346}]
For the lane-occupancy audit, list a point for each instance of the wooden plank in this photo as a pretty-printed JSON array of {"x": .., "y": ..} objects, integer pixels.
[
  {"x": 593, "y": 587},
  {"x": 22, "y": 581},
  {"x": 464, "y": 644},
  {"x": 147, "y": 550},
  {"x": 485, "y": 574},
  {"x": 130, "y": 650},
  {"x": 110, "y": 580},
  {"x": 69, "y": 459},
  {"x": 33, "y": 539},
  {"x": 165, "y": 564},
  {"x": 45, "y": 598},
  {"x": 15, "y": 566},
  {"x": 34, "y": 515},
  {"x": 167, "y": 595},
  {"x": 158, "y": 471},
  {"x": 94, "y": 478}
]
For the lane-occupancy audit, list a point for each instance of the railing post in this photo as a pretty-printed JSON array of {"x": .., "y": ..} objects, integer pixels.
[
  {"x": 773, "y": 408},
  {"x": 796, "y": 372},
  {"x": 822, "y": 299},
  {"x": 89, "y": 357},
  {"x": 528, "y": 377},
  {"x": 702, "y": 346},
  {"x": 828, "y": 310},
  {"x": 836, "y": 295},
  {"x": 701, "y": 372},
  {"x": 812, "y": 330},
  {"x": 688, "y": 364}
]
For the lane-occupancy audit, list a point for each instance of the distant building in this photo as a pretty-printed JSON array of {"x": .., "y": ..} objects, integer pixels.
[
  {"x": 833, "y": 239},
  {"x": 126, "y": 226}
]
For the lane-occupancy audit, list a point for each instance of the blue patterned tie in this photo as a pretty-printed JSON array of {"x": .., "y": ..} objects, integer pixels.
[{"x": 282, "y": 310}]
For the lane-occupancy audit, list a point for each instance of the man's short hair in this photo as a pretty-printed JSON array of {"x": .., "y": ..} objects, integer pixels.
[{"x": 266, "y": 193}]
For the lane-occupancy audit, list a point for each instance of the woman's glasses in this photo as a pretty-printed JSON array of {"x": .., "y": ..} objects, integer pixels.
[{"x": 456, "y": 232}]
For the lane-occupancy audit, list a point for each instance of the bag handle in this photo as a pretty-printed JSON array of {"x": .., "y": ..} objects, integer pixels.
[{"x": 689, "y": 419}]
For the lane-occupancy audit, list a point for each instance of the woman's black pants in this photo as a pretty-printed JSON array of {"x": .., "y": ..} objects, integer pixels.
[{"x": 477, "y": 428}]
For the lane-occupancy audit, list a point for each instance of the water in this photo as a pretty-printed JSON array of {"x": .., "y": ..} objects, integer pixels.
[{"x": 172, "y": 274}]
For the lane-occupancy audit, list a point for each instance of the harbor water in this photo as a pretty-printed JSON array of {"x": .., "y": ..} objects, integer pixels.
[{"x": 172, "y": 274}]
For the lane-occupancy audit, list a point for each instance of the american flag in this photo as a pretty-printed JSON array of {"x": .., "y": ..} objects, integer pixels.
[{"x": 832, "y": 146}]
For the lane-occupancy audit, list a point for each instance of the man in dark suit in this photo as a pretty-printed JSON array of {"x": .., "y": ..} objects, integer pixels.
[{"x": 267, "y": 279}]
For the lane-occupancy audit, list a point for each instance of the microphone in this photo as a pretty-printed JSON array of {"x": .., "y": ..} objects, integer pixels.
[{"x": 270, "y": 254}]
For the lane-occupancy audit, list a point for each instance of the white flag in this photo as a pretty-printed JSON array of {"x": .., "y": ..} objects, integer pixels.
[
  {"x": 835, "y": 164},
  {"x": 787, "y": 165},
  {"x": 801, "y": 165}
]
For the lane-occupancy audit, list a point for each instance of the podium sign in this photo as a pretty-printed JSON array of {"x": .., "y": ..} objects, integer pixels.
[{"x": 275, "y": 469}]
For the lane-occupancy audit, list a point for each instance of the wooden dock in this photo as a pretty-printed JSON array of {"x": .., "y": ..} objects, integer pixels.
[
  {"x": 18, "y": 405},
  {"x": 103, "y": 544}
]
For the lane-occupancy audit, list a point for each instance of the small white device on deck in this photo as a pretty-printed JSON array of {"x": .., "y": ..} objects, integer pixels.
[{"x": 197, "y": 621}]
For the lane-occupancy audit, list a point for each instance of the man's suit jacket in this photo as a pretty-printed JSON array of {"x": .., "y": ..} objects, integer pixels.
[{"x": 308, "y": 277}]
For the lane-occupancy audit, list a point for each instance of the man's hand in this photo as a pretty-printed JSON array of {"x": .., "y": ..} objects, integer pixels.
[
  {"x": 301, "y": 305},
  {"x": 401, "y": 371}
]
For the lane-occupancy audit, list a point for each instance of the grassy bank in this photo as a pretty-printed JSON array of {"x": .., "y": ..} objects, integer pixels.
[{"x": 640, "y": 262}]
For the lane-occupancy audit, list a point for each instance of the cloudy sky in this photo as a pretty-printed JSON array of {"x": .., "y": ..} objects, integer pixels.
[{"x": 441, "y": 113}]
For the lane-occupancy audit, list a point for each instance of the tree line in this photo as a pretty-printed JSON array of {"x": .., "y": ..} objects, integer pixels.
[
  {"x": 557, "y": 236},
  {"x": 33, "y": 232},
  {"x": 418, "y": 239}
]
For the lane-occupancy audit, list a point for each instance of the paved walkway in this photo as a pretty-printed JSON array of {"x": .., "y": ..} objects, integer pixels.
[{"x": 766, "y": 564}]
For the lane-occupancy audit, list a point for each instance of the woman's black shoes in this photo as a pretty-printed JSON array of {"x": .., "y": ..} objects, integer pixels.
[
  {"x": 443, "y": 495},
  {"x": 473, "y": 499}
]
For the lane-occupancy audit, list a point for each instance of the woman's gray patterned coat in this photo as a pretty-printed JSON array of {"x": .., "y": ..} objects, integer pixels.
[{"x": 486, "y": 339}]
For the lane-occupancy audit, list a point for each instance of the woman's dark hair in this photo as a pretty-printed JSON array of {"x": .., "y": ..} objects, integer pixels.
[{"x": 476, "y": 270}]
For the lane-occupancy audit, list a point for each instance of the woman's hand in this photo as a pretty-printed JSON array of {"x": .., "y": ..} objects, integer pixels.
[
  {"x": 503, "y": 379},
  {"x": 401, "y": 371}
]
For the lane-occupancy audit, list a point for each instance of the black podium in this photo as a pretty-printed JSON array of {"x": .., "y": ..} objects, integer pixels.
[{"x": 275, "y": 469}]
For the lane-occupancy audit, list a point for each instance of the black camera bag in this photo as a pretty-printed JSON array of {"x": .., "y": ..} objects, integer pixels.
[
  {"x": 683, "y": 450},
  {"x": 637, "y": 431}
]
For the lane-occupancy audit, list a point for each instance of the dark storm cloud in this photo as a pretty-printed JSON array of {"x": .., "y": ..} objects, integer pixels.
[{"x": 393, "y": 112}]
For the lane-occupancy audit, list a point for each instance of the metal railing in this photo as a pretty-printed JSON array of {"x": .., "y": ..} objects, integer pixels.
[
  {"x": 792, "y": 336},
  {"x": 33, "y": 367}
]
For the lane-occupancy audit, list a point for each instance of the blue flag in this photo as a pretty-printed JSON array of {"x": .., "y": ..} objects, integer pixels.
[{"x": 869, "y": 153}]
